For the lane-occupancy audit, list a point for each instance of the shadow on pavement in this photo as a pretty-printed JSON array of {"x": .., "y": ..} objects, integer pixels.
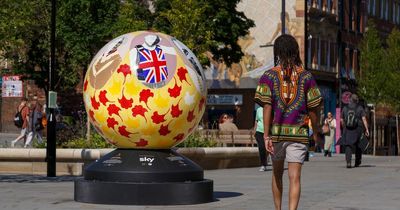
[
  {"x": 366, "y": 166},
  {"x": 222, "y": 194},
  {"x": 35, "y": 178}
]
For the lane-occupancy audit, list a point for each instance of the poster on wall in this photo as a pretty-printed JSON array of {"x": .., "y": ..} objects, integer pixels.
[
  {"x": 11, "y": 86},
  {"x": 266, "y": 15}
]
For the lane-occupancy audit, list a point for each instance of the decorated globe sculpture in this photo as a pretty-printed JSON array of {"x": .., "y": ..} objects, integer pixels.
[{"x": 145, "y": 90}]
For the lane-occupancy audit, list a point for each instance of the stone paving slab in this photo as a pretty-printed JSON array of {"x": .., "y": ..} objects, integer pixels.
[{"x": 326, "y": 185}]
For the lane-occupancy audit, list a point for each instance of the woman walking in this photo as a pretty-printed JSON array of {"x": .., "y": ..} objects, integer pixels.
[
  {"x": 259, "y": 134},
  {"x": 330, "y": 123},
  {"x": 287, "y": 93}
]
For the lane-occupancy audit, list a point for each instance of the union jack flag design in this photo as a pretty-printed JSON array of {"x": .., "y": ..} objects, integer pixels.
[{"x": 152, "y": 65}]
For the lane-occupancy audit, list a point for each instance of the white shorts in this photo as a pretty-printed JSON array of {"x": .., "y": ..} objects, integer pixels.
[
  {"x": 293, "y": 152},
  {"x": 23, "y": 131}
]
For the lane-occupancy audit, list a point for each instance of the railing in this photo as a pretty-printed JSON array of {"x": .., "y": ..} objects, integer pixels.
[{"x": 231, "y": 138}]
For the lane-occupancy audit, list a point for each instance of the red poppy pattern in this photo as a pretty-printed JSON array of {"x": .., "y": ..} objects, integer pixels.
[{"x": 132, "y": 115}]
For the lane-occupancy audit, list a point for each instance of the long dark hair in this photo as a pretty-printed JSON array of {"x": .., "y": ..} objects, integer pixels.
[{"x": 286, "y": 54}]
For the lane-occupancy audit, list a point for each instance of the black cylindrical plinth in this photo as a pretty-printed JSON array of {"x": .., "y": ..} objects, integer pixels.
[{"x": 143, "y": 177}]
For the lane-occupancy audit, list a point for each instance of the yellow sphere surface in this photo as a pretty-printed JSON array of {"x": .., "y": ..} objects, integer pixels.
[{"x": 145, "y": 90}]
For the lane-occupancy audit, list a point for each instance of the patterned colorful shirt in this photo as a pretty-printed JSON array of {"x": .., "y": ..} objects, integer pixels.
[{"x": 290, "y": 103}]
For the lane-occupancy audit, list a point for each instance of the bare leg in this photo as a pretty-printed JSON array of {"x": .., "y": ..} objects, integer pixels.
[
  {"x": 277, "y": 182},
  {"x": 17, "y": 139},
  {"x": 29, "y": 138},
  {"x": 294, "y": 186}
]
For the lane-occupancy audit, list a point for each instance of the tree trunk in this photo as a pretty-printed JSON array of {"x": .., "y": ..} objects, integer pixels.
[{"x": 88, "y": 129}]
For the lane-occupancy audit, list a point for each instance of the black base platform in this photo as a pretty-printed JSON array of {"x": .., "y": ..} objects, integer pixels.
[
  {"x": 130, "y": 193},
  {"x": 143, "y": 177}
]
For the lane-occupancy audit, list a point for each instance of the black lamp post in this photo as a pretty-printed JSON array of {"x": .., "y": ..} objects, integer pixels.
[{"x": 51, "y": 126}]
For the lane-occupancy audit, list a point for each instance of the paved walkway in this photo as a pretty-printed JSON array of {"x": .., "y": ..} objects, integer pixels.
[
  {"x": 327, "y": 185},
  {"x": 6, "y": 138}
]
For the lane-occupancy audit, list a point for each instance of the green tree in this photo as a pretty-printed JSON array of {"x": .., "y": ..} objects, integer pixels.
[
  {"x": 373, "y": 77},
  {"x": 393, "y": 65},
  {"x": 229, "y": 25},
  {"x": 186, "y": 19},
  {"x": 133, "y": 15},
  {"x": 24, "y": 37},
  {"x": 205, "y": 26},
  {"x": 83, "y": 27}
]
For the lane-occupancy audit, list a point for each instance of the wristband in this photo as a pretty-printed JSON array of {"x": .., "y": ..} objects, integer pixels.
[{"x": 268, "y": 138}]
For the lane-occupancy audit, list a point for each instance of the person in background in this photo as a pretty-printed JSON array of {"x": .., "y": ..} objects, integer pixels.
[
  {"x": 354, "y": 123},
  {"x": 24, "y": 109},
  {"x": 329, "y": 139},
  {"x": 288, "y": 93},
  {"x": 35, "y": 124},
  {"x": 226, "y": 123},
  {"x": 259, "y": 134}
]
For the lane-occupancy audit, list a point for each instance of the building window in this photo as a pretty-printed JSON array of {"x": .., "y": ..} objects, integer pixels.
[
  {"x": 314, "y": 50},
  {"x": 346, "y": 15},
  {"x": 319, "y": 53},
  {"x": 371, "y": 4},
  {"x": 309, "y": 52},
  {"x": 393, "y": 19},
  {"x": 382, "y": 5},
  {"x": 373, "y": 7},
  {"x": 323, "y": 54},
  {"x": 397, "y": 19},
  {"x": 387, "y": 10},
  {"x": 332, "y": 55},
  {"x": 329, "y": 5}
]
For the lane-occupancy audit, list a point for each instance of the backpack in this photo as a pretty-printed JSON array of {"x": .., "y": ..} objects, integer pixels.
[
  {"x": 351, "y": 120},
  {"x": 18, "y": 119}
]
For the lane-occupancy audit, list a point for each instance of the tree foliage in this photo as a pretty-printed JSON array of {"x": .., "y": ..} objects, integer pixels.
[
  {"x": 24, "y": 35},
  {"x": 213, "y": 26},
  {"x": 380, "y": 68},
  {"x": 84, "y": 26},
  {"x": 393, "y": 65}
]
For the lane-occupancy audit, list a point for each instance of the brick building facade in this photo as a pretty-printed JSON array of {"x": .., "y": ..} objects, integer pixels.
[{"x": 8, "y": 105}]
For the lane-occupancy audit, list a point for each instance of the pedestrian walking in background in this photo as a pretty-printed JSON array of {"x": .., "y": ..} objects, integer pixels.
[
  {"x": 35, "y": 127},
  {"x": 259, "y": 134},
  {"x": 225, "y": 123},
  {"x": 330, "y": 124},
  {"x": 287, "y": 94},
  {"x": 354, "y": 123},
  {"x": 22, "y": 121}
]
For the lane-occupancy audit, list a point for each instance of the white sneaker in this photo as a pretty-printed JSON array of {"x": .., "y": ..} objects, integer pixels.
[
  {"x": 263, "y": 168},
  {"x": 12, "y": 144}
]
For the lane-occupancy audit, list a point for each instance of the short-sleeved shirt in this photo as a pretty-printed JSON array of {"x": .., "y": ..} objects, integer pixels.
[
  {"x": 25, "y": 114},
  {"x": 290, "y": 103},
  {"x": 260, "y": 120}
]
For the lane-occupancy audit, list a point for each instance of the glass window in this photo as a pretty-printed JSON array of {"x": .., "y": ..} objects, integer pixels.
[
  {"x": 333, "y": 56},
  {"x": 309, "y": 52},
  {"x": 382, "y": 4},
  {"x": 398, "y": 13},
  {"x": 387, "y": 10},
  {"x": 373, "y": 7},
  {"x": 319, "y": 52},
  {"x": 370, "y": 7},
  {"x": 394, "y": 12},
  {"x": 323, "y": 52}
]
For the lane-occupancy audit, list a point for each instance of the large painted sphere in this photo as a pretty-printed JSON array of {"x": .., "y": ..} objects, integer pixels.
[{"x": 145, "y": 90}]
